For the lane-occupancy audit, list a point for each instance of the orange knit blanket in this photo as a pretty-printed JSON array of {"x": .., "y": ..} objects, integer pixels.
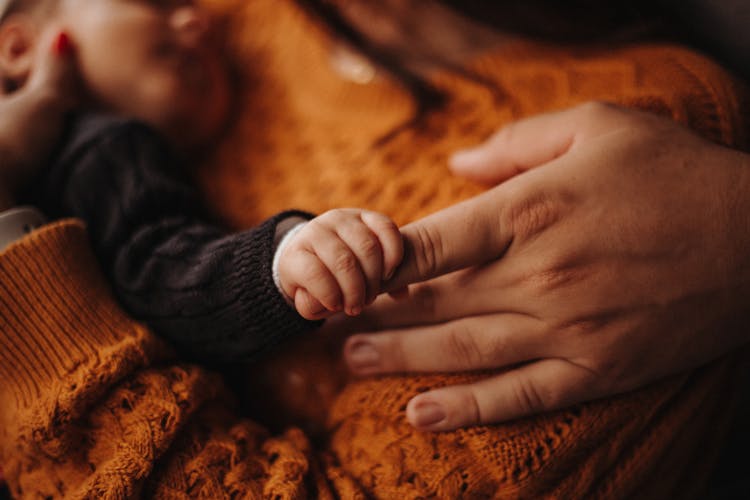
[{"x": 305, "y": 139}]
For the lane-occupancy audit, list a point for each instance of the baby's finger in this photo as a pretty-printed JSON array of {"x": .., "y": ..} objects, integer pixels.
[
  {"x": 341, "y": 262},
  {"x": 391, "y": 241},
  {"x": 302, "y": 269},
  {"x": 364, "y": 243},
  {"x": 309, "y": 307}
]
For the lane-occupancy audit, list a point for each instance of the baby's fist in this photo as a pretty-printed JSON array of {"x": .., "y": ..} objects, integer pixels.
[{"x": 338, "y": 261}]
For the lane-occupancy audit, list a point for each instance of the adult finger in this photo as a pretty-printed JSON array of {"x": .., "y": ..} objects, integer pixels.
[
  {"x": 469, "y": 292},
  {"x": 474, "y": 343},
  {"x": 367, "y": 248},
  {"x": 531, "y": 142},
  {"x": 469, "y": 233},
  {"x": 390, "y": 238},
  {"x": 537, "y": 387}
]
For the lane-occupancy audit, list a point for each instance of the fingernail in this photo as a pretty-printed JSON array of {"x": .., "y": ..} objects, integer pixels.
[
  {"x": 465, "y": 158},
  {"x": 390, "y": 274},
  {"x": 427, "y": 414},
  {"x": 62, "y": 45},
  {"x": 363, "y": 355},
  {"x": 355, "y": 311}
]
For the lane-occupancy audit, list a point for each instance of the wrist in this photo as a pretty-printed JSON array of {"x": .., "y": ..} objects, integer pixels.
[
  {"x": 284, "y": 235},
  {"x": 285, "y": 226}
]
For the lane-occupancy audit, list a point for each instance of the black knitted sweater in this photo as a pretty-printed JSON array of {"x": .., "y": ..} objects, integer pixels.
[{"x": 208, "y": 292}]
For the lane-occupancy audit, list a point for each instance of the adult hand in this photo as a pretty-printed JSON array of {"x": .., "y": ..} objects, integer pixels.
[
  {"x": 32, "y": 116},
  {"x": 615, "y": 251}
]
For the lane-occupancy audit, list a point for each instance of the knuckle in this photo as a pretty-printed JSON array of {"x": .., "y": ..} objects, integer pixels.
[
  {"x": 369, "y": 248},
  {"x": 345, "y": 263},
  {"x": 528, "y": 397},
  {"x": 581, "y": 328},
  {"x": 388, "y": 229},
  {"x": 316, "y": 274},
  {"x": 430, "y": 250},
  {"x": 388, "y": 225},
  {"x": 379, "y": 220},
  {"x": 307, "y": 235},
  {"x": 331, "y": 218},
  {"x": 464, "y": 349},
  {"x": 330, "y": 214},
  {"x": 314, "y": 224},
  {"x": 554, "y": 276},
  {"x": 469, "y": 407},
  {"x": 532, "y": 213},
  {"x": 498, "y": 350}
]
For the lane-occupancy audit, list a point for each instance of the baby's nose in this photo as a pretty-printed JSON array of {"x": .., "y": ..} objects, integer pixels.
[{"x": 192, "y": 24}]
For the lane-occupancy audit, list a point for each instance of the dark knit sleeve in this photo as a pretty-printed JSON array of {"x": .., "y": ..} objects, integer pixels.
[{"x": 210, "y": 293}]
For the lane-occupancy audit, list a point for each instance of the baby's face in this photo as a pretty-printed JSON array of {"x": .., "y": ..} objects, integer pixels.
[{"x": 151, "y": 59}]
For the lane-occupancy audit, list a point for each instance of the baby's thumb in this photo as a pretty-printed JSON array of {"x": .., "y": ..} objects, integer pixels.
[{"x": 309, "y": 307}]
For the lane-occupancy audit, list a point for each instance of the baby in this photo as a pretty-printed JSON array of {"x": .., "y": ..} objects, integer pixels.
[{"x": 216, "y": 296}]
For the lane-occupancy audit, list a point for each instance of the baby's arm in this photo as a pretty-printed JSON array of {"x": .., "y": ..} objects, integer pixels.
[
  {"x": 210, "y": 293},
  {"x": 338, "y": 261}
]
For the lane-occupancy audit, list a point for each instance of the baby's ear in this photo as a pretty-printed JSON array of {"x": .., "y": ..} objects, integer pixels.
[{"x": 17, "y": 42}]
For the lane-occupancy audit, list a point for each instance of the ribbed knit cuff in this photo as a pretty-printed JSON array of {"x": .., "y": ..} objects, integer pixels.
[
  {"x": 58, "y": 317},
  {"x": 280, "y": 247},
  {"x": 274, "y": 319}
]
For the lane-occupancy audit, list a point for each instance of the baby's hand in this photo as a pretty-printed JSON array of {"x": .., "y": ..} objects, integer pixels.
[{"x": 338, "y": 261}]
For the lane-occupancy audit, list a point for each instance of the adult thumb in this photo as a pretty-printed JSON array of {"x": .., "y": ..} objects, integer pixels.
[{"x": 526, "y": 144}]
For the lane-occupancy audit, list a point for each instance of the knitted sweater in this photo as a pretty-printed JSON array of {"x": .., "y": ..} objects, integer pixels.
[
  {"x": 95, "y": 406},
  {"x": 210, "y": 293}
]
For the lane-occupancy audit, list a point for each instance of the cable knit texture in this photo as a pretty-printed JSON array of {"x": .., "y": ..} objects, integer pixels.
[{"x": 95, "y": 406}]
